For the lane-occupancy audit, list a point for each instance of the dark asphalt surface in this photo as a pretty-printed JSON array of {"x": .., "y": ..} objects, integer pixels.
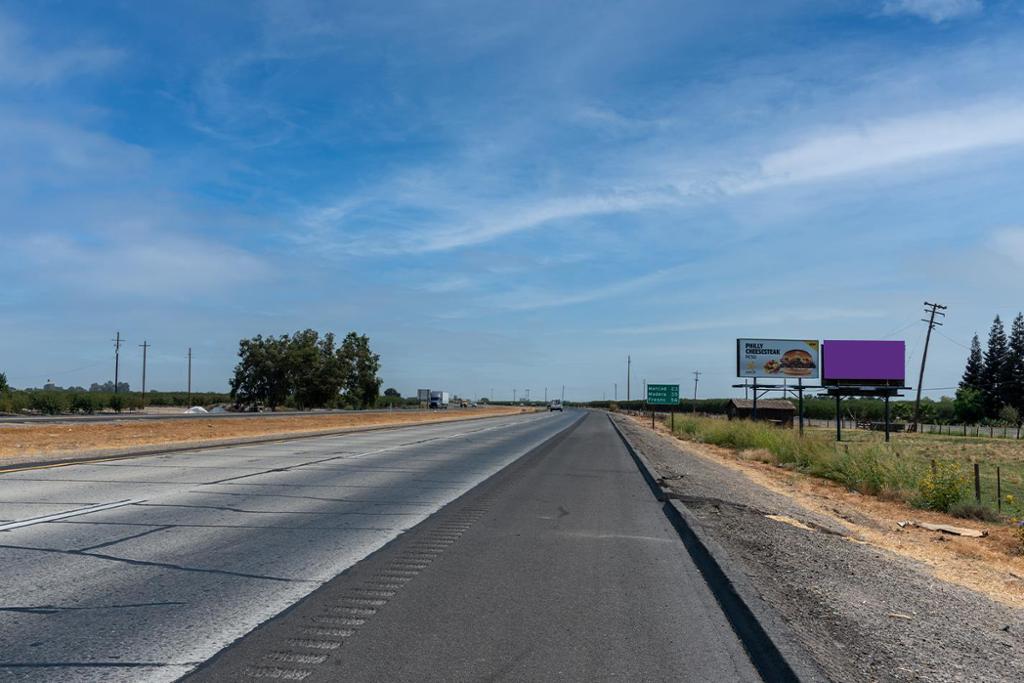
[{"x": 560, "y": 567}]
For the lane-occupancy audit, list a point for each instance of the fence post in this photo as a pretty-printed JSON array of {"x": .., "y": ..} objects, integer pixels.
[
  {"x": 999, "y": 490},
  {"x": 977, "y": 483}
]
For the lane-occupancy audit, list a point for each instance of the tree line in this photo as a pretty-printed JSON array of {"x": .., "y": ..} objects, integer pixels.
[
  {"x": 992, "y": 386},
  {"x": 306, "y": 370}
]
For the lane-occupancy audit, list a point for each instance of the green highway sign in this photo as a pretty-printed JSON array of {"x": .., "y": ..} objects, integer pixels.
[{"x": 663, "y": 394}]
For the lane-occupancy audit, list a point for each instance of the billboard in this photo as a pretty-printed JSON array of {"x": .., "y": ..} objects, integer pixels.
[
  {"x": 863, "y": 363},
  {"x": 777, "y": 358}
]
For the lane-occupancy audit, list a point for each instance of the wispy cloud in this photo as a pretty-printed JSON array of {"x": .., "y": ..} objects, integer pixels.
[
  {"x": 23, "y": 64},
  {"x": 803, "y": 315},
  {"x": 1009, "y": 242},
  {"x": 891, "y": 142},
  {"x": 138, "y": 262},
  {"x": 933, "y": 10},
  {"x": 528, "y": 299}
]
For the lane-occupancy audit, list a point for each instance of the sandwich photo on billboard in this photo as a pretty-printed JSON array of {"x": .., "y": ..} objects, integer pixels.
[{"x": 777, "y": 358}]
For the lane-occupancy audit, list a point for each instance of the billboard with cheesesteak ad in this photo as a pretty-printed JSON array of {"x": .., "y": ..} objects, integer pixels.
[{"x": 777, "y": 358}]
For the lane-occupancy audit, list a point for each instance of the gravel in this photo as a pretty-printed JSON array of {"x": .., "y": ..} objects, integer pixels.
[{"x": 861, "y": 612}]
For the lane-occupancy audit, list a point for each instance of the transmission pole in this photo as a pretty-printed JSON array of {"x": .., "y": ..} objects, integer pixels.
[
  {"x": 145, "y": 347},
  {"x": 931, "y": 310},
  {"x": 117, "y": 358},
  {"x": 563, "y": 393},
  {"x": 190, "y": 377},
  {"x": 696, "y": 378},
  {"x": 616, "y": 394},
  {"x": 629, "y": 369},
  {"x": 545, "y": 394}
]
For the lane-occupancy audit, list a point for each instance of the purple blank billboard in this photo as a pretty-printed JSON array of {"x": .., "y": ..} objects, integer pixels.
[{"x": 863, "y": 362}]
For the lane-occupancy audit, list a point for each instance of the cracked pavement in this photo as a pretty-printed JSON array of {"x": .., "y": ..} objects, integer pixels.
[{"x": 187, "y": 552}]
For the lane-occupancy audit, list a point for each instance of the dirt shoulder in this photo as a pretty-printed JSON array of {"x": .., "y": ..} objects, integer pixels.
[
  {"x": 54, "y": 441},
  {"x": 867, "y": 600}
]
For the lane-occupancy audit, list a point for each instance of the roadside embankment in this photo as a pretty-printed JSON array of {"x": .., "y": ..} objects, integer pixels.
[
  {"x": 24, "y": 442},
  {"x": 869, "y": 600}
]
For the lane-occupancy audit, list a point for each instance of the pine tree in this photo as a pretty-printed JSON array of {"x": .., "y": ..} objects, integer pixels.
[
  {"x": 975, "y": 366},
  {"x": 1013, "y": 376},
  {"x": 994, "y": 371}
]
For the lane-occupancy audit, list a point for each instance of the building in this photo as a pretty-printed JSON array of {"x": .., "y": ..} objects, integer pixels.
[{"x": 778, "y": 411}]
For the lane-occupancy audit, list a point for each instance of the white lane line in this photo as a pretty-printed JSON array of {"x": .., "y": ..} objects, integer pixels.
[{"x": 70, "y": 513}]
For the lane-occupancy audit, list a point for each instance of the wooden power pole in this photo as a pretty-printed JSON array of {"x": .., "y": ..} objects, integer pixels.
[{"x": 932, "y": 310}]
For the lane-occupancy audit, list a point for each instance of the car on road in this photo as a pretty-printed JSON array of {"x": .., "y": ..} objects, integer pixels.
[{"x": 555, "y": 405}]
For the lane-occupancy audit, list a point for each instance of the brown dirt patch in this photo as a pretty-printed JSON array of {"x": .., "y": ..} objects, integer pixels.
[
  {"x": 991, "y": 565},
  {"x": 54, "y": 439}
]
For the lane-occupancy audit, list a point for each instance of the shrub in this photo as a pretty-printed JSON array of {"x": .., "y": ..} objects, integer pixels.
[
  {"x": 47, "y": 402},
  {"x": 942, "y": 487},
  {"x": 83, "y": 403},
  {"x": 613, "y": 407},
  {"x": 117, "y": 403},
  {"x": 972, "y": 510}
]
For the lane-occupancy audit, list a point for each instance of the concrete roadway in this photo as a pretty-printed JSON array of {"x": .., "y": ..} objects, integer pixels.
[
  {"x": 562, "y": 566},
  {"x": 141, "y": 569}
]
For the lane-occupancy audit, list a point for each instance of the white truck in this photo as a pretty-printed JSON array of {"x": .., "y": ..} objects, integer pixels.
[{"x": 439, "y": 400}]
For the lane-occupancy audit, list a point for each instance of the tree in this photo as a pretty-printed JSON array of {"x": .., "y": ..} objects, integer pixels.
[
  {"x": 969, "y": 405},
  {"x": 392, "y": 392},
  {"x": 261, "y": 376},
  {"x": 314, "y": 373},
  {"x": 975, "y": 366},
  {"x": 5, "y": 388},
  {"x": 994, "y": 371},
  {"x": 1013, "y": 377},
  {"x": 359, "y": 365}
]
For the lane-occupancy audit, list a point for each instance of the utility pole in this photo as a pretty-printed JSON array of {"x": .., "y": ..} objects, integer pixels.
[
  {"x": 696, "y": 378},
  {"x": 563, "y": 393},
  {"x": 513, "y": 395},
  {"x": 545, "y": 394},
  {"x": 145, "y": 347},
  {"x": 932, "y": 310},
  {"x": 616, "y": 394},
  {"x": 190, "y": 377},
  {"x": 629, "y": 369},
  {"x": 645, "y": 389},
  {"x": 117, "y": 358}
]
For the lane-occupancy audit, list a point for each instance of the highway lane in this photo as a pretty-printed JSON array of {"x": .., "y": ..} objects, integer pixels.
[
  {"x": 562, "y": 567},
  {"x": 144, "y": 568}
]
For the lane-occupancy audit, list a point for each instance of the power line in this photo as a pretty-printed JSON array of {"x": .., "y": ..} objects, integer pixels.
[{"x": 943, "y": 334}]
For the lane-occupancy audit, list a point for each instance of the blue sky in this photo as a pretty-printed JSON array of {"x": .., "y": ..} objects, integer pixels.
[{"x": 505, "y": 195}]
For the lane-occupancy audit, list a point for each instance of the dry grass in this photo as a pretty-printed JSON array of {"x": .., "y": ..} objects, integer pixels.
[
  {"x": 58, "y": 439},
  {"x": 992, "y": 565}
]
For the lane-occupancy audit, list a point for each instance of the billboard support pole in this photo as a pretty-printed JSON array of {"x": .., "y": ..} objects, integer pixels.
[
  {"x": 753, "y": 409},
  {"x": 800, "y": 395},
  {"x": 887, "y": 418},
  {"x": 839, "y": 420}
]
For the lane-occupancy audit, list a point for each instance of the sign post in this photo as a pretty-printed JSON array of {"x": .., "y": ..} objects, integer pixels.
[{"x": 662, "y": 395}]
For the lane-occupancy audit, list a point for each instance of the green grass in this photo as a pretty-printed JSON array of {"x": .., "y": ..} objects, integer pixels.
[{"x": 900, "y": 470}]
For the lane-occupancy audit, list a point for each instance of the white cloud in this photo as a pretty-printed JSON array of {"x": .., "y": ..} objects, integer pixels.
[
  {"x": 20, "y": 64},
  {"x": 886, "y": 143},
  {"x": 140, "y": 262},
  {"x": 934, "y": 10},
  {"x": 1009, "y": 242},
  {"x": 804, "y": 315},
  {"x": 527, "y": 299}
]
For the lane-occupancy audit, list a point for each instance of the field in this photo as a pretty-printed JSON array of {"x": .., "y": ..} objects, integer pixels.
[
  {"x": 901, "y": 470},
  {"x": 20, "y": 442}
]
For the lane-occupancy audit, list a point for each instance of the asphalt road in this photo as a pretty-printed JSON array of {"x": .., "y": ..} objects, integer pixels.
[
  {"x": 561, "y": 567},
  {"x": 142, "y": 569}
]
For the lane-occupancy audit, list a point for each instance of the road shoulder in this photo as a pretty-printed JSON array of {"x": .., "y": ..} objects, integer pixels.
[{"x": 861, "y": 612}]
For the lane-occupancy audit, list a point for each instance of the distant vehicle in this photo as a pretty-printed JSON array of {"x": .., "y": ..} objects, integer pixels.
[
  {"x": 555, "y": 405},
  {"x": 439, "y": 400}
]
